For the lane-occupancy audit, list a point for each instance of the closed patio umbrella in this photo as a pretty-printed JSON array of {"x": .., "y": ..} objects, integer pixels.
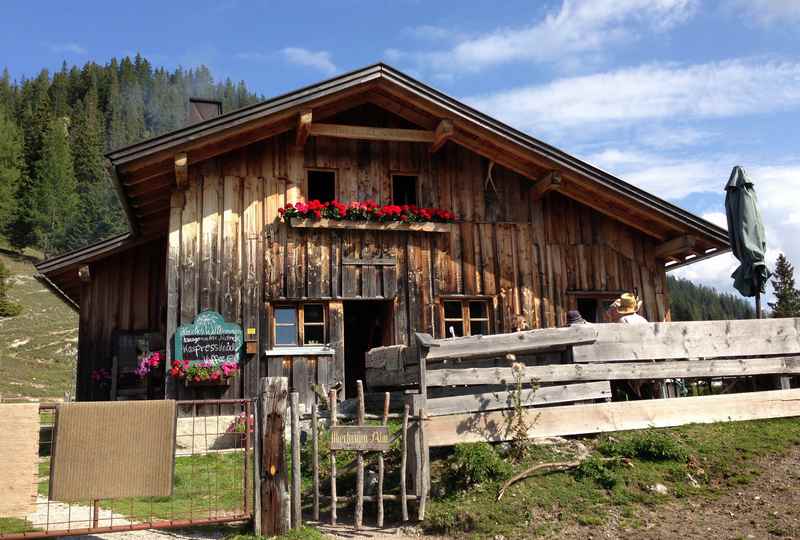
[{"x": 746, "y": 235}]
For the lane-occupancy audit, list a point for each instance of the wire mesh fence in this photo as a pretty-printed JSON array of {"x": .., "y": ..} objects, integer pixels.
[{"x": 213, "y": 481}]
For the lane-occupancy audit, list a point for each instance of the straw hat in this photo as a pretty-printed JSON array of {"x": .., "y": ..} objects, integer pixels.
[{"x": 627, "y": 304}]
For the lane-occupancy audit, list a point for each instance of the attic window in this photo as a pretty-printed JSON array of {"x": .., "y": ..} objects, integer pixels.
[
  {"x": 321, "y": 185},
  {"x": 404, "y": 189}
]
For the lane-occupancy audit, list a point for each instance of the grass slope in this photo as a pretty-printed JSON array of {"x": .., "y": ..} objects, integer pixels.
[
  {"x": 38, "y": 348},
  {"x": 721, "y": 458}
]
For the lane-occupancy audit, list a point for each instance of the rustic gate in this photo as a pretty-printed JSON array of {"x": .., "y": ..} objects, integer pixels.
[
  {"x": 333, "y": 455},
  {"x": 213, "y": 480}
]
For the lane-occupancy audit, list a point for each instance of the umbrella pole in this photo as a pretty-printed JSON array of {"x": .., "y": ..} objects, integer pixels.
[{"x": 758, "y": 305}]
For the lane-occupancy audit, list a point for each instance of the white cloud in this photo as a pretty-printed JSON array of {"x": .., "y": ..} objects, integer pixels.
[
  {"x": 577, "y": 27},
  {"x": 67, "y": 47},
  {"x": 319, "y": 60},
  {"x": 649, "y": 92},
  {"x": 767, "y": 12}
]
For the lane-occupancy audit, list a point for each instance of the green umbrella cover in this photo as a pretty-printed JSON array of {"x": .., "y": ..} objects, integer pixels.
[{"x": 746, "y": 234}]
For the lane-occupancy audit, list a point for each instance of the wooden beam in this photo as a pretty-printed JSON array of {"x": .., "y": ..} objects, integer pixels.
[
  {"x": 498, "y": 345},
  {"x": 181, "y": 170},
  {"x": 676, "y": 246},
  {"x": 444, "y": 132},
  {"x": 565, "y": 420},
  {"x": 492, "y": 401},
  {"x": 696, "y": 339},
  {"x": 303, "y": 123},
  {"x": 617, "y": 371},
  {"x": 370, "y": 133},
  {"x": 550, "y": 182}
]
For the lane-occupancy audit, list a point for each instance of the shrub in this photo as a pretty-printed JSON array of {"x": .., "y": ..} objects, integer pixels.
[
  {"x": 7, "y": 307},
  {"x": 602, "y": 472},
  {"x": 650, "y": 444},
  {"x": 473, "y": 464}
]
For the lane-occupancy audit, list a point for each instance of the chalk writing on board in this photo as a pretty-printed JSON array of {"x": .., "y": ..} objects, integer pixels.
[{"x": 209, "y": 339}]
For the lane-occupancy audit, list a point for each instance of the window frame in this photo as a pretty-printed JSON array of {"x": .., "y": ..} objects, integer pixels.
[
  {"x": 300, "y": 323},
  {"x": 321, "y": 169},
  {"x": 466, "y": 319},
  {"x": 416, "y": 175}
]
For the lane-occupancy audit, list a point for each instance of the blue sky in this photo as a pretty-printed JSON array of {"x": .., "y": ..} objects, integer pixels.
[{"x": 667, "y": 94}]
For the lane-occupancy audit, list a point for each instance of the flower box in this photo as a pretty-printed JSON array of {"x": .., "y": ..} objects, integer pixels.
[
  {"x": 324, "y": 223},
  {"x": 224, "y": 381}
]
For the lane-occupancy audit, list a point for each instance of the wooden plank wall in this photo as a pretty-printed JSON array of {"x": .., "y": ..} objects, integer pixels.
[
  {"x": 523, "y": 255},
  {"x": 126, "y": 291}
]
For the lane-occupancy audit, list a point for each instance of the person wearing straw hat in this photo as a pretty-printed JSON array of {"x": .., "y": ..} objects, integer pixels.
[{"x": 625, "y": 310}]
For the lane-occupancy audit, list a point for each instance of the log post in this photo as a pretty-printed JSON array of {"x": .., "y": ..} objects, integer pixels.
[
  {"x": 359, "y": 511},
  {"x": 272, "y": 400},
  {"x": 384, "y": 421},
  {"x": 403, "y": 465},
  {"x": 416, "y": 447},
  {"x": 296, "y": 506},
  {"x": 334, "y": 409},
  {"x": 315, "y": 457}
]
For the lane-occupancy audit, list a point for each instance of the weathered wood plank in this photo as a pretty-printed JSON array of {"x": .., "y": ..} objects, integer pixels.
[
  {"x": 190, "y": 252},
  {"x": 210, "y": 273},
  {"x": 616, "y": 416},
  {"x": 173, "y": 276},
  {"x": 617, "y": 371},
  {"x": 336, "y": 339},
  {"x": 491, "y": 401},
  {"x": 232, "y": 250},
  {"x": 391, "y": 357},
  {"x": 333, "y": 410},
  {"x": 701, "y": 339},
  {"x": 529, "y": 341},
  {"x": 370, "y": 133}
]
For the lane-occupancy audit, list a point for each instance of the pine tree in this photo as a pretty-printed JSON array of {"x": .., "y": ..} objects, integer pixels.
[
  {"x": 115, "y": 125},
  {"x": 787, "y": 297},
  {"x": 104, "y": 107},
  {"x": 54, "y": 190},
  {"x": 10, "y": 166}
]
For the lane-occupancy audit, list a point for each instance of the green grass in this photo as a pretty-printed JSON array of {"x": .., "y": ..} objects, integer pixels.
[
  {"x": 14, "y": 525},
  {"x": 38, "y": 347},
  {"x": 205, "y": 486},
  {"x": 720, "y": 457}
]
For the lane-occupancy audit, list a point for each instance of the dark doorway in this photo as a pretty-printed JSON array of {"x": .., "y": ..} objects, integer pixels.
[
  {"x": 367, "y": 324},
  {"x": 587, "y": 307}
]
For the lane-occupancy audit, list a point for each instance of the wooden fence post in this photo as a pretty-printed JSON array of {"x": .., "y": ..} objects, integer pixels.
[
  {"x": 359, "y": 510},
  {"x": 334, "y": 409},
  {"x": 273, "y": 395},
  {"x": 417, "y": 447},
  {"x": 315, "y": 457},
  {"x": 297, "y": 517}
]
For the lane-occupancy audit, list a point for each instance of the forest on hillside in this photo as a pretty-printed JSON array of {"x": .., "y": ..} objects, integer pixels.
[
  {"x": 55, "y": 189},
  {"x": 691, "y": 302}
]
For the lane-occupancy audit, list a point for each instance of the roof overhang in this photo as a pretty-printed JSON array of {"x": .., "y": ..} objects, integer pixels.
[{"x": 144, "y": 173}]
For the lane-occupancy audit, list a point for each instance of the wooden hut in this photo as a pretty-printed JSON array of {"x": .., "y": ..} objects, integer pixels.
[{"x": 538, "y": 232}]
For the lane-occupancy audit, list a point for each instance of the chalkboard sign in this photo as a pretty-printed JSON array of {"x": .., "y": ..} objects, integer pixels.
[{"x": 209, "y": 339}]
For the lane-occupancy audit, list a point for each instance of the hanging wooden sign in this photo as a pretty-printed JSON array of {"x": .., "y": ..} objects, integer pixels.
[
  {"x": 364, "y": 438},
  {"x": 209, "y": 339}
]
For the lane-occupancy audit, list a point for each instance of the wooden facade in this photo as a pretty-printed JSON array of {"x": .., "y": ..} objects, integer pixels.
[{"x": 530, "y": 241}]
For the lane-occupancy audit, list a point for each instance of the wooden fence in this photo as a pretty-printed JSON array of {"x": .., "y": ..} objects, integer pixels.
[{"x": 465, "y": 388}]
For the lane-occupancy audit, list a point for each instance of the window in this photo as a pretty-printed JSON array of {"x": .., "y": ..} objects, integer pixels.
[
  {"x": 285, "y": 326},
  {"x": 404, "y": 189},
  {"x": 321, "y": 185},
  {"x": 299, "y": 325},
  {"x": 465, "y": 318}
]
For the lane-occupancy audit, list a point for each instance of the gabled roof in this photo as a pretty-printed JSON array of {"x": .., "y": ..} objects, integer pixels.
[{"x": 144, "y": 172}]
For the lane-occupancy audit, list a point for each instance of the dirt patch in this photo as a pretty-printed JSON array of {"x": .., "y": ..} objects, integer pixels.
[{"x": 768, "y": 507}]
